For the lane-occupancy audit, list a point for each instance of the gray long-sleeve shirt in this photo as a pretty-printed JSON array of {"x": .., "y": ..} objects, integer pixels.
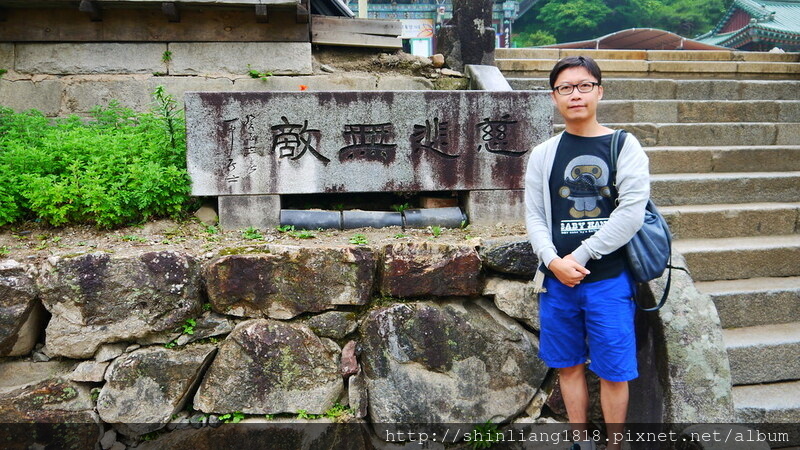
[{"x": 633, "y": 187}]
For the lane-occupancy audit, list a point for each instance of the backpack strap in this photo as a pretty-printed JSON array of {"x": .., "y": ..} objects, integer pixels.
[{"x": 614, "y": 156}]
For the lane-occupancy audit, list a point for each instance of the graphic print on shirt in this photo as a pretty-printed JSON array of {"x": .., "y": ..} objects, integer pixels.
[{"x": 585, "y": 182}]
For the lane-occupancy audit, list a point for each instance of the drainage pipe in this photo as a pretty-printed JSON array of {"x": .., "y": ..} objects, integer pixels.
[
  {"x": 451, "y": 217},
  {"x": 306, "y": 219},
  {"x": 311, "y": 219}
]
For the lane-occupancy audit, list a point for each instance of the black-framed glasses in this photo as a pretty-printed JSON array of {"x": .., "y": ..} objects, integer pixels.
[{"x": 585, "y": 87}]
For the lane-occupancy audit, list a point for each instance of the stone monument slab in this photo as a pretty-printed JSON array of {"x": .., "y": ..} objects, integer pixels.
[{"x": 255, "y": 143}]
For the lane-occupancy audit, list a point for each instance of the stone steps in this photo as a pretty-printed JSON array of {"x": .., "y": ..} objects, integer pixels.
[
  {"x": 722, "y": 134},
  {"x": 638, "y": 68},
  {"x": 754, "y": 301},
  {"x": 741, "y": 257},
  {"x": 720, "y": 188},
  {"x": 768, "y": 403},
  {"x": 763, "y": 353},
  {"x": 739, "y": 158},
  {"x": 721, "y": 131},
  {"x": 696, "y": 111},
  {"x": 667, "y": 89},
  {"x": 732, "y": 220},
  {"x": 648, "y": 55}
]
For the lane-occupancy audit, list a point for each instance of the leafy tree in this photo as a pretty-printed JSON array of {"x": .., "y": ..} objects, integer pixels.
[
  {"x": 633, "y": 14},
  {"x": 693, "y": 17},
  {"x": 533, "y": 39},
  {"x": 574, "y": 19}
]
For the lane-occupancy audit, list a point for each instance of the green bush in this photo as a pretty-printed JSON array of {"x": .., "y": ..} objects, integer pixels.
[{"x": 117, "y": 168}]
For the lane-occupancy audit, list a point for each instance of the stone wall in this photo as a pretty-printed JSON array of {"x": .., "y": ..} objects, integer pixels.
[
  {"x": 147, "y": 342},
  {"x": 144, "y": 345},
  {"x": 60, "y": 79}
]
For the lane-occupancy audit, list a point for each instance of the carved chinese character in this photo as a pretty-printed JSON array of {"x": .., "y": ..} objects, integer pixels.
[
  {"x": 370, "y": 142},
  {"x": 229, "y": 127},
  {"x": 249, "y": 139},
  {"x": 293, "y": 140},
  {"x": 431, "y": 137},
  {"x": 494, "y": 134}
]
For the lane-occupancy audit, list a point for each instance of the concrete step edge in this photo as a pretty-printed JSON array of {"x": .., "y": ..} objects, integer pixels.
[
  {"x": 732, "y": 207},
  {"x": 749, "y": 285},
  {"x": 693, "y": 101},
  {"x": 768, "y": 396},
  {"x": 655, "y": 55},
  {"x": 754, "y": 301},
  {"x": 698, "y": 124},
  {"x": 729, "y": 220},
  {"x": 707, "y": 245},
  {"x": 721, "y": 175},
  {"x": 762, "y": 336},
  {"x": 722, "y": 148}
]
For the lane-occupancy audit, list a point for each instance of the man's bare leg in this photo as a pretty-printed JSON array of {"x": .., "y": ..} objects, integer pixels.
[
  {"x": 614, "y": 401},
  {"x": 576, "y": 397}
]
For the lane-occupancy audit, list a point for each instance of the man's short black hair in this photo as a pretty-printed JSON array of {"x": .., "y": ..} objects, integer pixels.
[{"x": 575, "y": 61}]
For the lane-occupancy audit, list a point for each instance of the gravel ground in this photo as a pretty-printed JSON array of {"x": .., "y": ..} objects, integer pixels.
[{"x": 32, "y": 241}]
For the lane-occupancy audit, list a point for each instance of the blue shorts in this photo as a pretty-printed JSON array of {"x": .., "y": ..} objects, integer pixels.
[{"x": 592, "y": 320}]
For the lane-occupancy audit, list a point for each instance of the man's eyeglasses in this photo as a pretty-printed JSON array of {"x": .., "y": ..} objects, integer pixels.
[{"x": 585, "y": 87}]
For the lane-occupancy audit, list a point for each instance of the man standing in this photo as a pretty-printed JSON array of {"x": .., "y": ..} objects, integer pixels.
[{"x": 578, "y": 230}]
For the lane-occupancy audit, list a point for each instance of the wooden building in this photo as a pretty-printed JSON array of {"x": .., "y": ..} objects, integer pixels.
[{"x": 758, "y": 26}]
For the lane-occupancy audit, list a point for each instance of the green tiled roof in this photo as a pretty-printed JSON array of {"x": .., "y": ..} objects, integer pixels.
[
  {"x": 773, "y": 18},
  {"x": 715, "y": 39},
  {"x": 786, "y": 18}
]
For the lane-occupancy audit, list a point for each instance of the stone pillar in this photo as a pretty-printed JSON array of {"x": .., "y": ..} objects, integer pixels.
[
  {"x": 242, "y": 211},
  {"x": 469, "y": 37},
  {"x": 488, "y": 207}
]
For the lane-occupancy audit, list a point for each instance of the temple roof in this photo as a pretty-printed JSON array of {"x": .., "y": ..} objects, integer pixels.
[
  {"x": 639, "y": 39},
  {"x": 775, "y": 21}
]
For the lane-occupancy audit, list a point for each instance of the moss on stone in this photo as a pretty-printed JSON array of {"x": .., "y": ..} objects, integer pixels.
[
  {"x": 243, "y": 251},
  {"x": 451, "y": 84}
]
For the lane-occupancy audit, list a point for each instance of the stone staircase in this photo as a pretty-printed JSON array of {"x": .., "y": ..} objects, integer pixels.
[{"x": 725, "y": 157}]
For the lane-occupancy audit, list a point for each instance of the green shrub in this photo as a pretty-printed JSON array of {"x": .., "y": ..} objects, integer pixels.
[{"x": 117, "y": 168}]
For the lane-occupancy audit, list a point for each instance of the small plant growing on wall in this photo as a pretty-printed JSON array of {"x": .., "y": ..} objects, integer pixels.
[
  {"x": 258, "y": 75},
  {"x": 171, "y": 115},
  {"x": 359, "y": 239},
  {"x": 234, "y": 417},
  {"x": 251, "y": 233},
  {"x": 303, "y": 234},
  {"x": 401, "y": 208}
]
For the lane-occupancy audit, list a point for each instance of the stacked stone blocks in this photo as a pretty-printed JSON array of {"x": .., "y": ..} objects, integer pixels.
[{"x": 275, "y": 329}]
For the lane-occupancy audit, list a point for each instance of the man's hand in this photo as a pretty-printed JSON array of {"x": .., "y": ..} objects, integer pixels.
[{"x": 568, "y": 271}]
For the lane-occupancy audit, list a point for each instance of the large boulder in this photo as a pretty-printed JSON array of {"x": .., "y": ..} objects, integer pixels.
[
  {"x": 333, "y": 324},
  {"x": 454, "y": 362},
  {"x": 281, "y": 282},
  {"x": 511, "y": 256},
  {"x": 99, "y": 298},
  {"x": 417, "y": 269},
  {"x": 515, "y": 298},
  {"x": 19, "y": 374},
  {"x": 270, "y": 367},
  {"x": 146, "y": 387},
  {"x": 47, "y": 413},
  {"x": 21, "y": 314},
  {"x": 696, "y": 376},
  {"x": 51, "y": 401}
]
